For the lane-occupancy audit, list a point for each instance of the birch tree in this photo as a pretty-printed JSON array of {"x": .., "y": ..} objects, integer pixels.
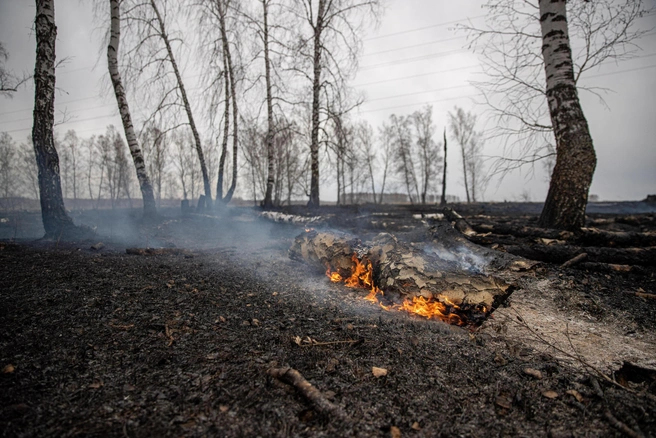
[
  {"x": 223, "y": 75},
  {"x": 152, "y": 69},
  {"x": 405, "y": 160},
  {"x": 510, "y": 48},
  {"x": 575, "y": 154},
  {"x": 331, "y": 46},
  {"x": 462, "y": 125},
  {"x": 443, "y": 198},
  {"x": 386, "y": 136},
  {"x": 56, "y": 221},
  {"x": 268, "y": 201},
  {"x": 124, "y": 110},
  {"x": 427, "y": 151}
]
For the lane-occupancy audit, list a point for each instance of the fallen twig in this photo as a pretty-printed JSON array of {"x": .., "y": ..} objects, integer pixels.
[
  {"x": 309, "y": 342},
  {"x": 305, "y": 388},
  {"x": 316, "y": 343},
  {"x": 574, "y": 260},
  {"x": 169, "y": 334},
  {"x": 641, "y": 295},
  {"x": 121, "y": 326},
  {"x": 617, "y": 424}
]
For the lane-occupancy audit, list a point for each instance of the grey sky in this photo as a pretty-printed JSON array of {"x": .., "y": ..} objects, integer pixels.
[{"x": 623, "y": 133}]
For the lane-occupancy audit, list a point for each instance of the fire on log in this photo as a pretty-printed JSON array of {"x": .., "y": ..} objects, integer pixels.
[{"x": 402, "y": 277}]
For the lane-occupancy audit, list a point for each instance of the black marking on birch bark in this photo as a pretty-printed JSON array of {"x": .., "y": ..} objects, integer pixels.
[{"x": 554, "y": 33}]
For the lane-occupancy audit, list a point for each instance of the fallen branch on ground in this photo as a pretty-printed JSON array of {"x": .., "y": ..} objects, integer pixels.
[
  {"x": 562, "y": 253},
  {"x": 641, "y": 295},
  {"x": 610, "y": 268},
  {"x": 617, "y": 424},
  {"x": 157, "y": 251},
  {"x": 459, "y": 222},
  {"x": 292, "y": 377},
  {"x": 575, "y": 260}
]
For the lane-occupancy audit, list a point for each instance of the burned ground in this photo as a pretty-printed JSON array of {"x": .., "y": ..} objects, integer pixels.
[{"x": 103, "y": 343}]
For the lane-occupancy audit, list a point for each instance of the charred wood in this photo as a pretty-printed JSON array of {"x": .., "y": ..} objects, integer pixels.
[
  {"x": 597, "y": 237},
  {"x": 561, "y": 253},
  {"x": 157, "y": 251},
  {"x": 458, "y": 222},
  {"x": 586, "y": 236},
  {"x": 406, "y": 271},
  {"x": 575, "y": 260},
  {"x": 610, "y": 268},
  {"x": 522, "y": 231}
]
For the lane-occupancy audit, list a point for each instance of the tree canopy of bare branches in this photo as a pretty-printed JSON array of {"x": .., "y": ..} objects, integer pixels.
[{"x": 509, "y": 47}]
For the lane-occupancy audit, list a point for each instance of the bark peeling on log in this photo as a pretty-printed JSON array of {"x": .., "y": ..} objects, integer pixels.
[
  {"x": 410, "y": 272},
  {"x": 404, "y": 271}
]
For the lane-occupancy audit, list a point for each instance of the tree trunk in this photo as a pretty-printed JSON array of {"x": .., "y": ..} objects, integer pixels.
[
  {"x": 575, "y": 155},
  {"x": 443, "y": 200},
  {"x": 316, "y": 94},
  {"x": 235, "y": 112},
  {"x": 464, "y": 172},
  {"x": 56, "y": 221},
  {"x": 226, "y": 131},
  {"x": 137, "y": 157},
  {"x": 268, "y": 203},
  {"x": 187, "y": 105}
]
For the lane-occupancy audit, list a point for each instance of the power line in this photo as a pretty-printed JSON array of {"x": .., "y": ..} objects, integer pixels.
[
  {"x": 416, "y": 76},
  {"x": 59, "y": 103},
  {"x": 421, "y": 103},
  {"x": 107, "y": 116},
  {"x": 622, "y": 71},
  {"x": 415, "y": 45},
  {"x": 72, "y": 111},
  {"x": 415, "y": 59},
  {"x": 474, "y": 95},
  {"x": 403, "y": 32},
  {"x": 391, "y": 97},
  {"x": 419, "y": 92},
  {"x": 475, "y": 66}
]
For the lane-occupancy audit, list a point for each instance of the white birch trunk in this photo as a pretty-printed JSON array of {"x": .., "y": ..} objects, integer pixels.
[
  {"x": 124, "y": 109},
  {"x": 566, "y": 201}
]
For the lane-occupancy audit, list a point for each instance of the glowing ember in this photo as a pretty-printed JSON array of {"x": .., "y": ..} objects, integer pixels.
[{"x": 362, "y": 278}]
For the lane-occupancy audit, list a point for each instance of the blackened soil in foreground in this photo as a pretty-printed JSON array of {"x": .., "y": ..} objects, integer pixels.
[{"x": 108, "y": 344}]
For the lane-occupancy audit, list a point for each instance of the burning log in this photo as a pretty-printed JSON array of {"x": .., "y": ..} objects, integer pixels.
[{"x": 419, "y": 280}]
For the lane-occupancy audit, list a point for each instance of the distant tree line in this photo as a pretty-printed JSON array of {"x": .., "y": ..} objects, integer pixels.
[{"x": 402, "y": 155}]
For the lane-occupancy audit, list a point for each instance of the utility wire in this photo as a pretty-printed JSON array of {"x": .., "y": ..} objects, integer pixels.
[
  {"x": 476, "y": 95},
  {"x": 467, "y": 85},
  {"x": 390, "y": 97},
  {"x": 414, "y": 45},
  {"x": 416, "y": 76},
  {"x": 421, "y": 103},
  {"x": 414, "y": 59},
  {"x": 403, "y": 32}
]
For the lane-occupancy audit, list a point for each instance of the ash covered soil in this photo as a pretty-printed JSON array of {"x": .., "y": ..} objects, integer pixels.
[{"x": 103, "y": 343}]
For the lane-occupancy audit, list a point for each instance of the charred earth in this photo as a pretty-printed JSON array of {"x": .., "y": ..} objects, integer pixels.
[{"x": 216, "y": 331}]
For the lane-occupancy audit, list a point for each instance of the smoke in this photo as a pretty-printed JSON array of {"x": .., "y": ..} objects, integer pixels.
[{"x": 461, "y": 256}]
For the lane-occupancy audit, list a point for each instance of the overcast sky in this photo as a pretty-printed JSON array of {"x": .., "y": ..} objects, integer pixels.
[{"x": 393, "y": 80}]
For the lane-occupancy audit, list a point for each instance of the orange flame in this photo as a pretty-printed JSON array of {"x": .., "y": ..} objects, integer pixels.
[{"x": 362, "y": 277}]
